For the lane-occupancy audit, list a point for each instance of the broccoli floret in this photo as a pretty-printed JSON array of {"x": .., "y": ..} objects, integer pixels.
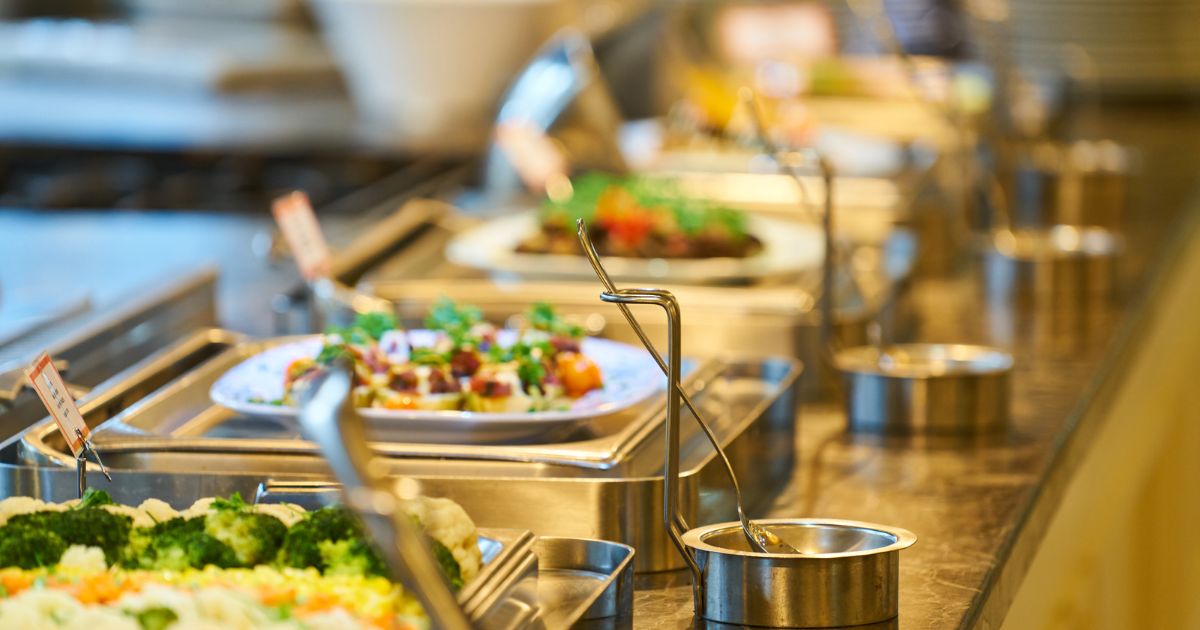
[
  {"x": 94, "y": 498},
  {"x": 352, "y": 556},
  {"x": 87, "y": 526},
  {"x": 156, "y": 618},
  {"x": 28, "y": 547},
  {"x": 448, "y": 564},
  {"x": 177, "y": 544},
  {"x": 333, "y": 541},
  {"x": 255, "y": 538},
  {"x": 301, "y": 545}
]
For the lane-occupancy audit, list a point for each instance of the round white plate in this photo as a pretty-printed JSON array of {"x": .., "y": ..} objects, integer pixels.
[
  {"x": 788, "y": 248},
  {"x": 630, "y": 376}
]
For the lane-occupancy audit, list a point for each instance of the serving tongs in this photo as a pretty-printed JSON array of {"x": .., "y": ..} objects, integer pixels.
[
  {"x": 760, "y": 538},
  {"x": 328, "y": 419}
]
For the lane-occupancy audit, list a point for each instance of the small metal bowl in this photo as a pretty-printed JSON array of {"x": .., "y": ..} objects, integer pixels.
[
  {"x": 936, "y": 389},
  {"x": 1082, "y": 183},
  {"x": 1062, "y": 261},
  {"x": 848, "y": 575}
]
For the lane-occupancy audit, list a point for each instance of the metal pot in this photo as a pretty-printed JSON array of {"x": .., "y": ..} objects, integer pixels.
[
  {"x": 940, "y": 389},
  {"x": 848, "y": 575}
]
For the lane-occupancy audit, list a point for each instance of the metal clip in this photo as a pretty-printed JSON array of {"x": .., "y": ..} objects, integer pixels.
[{"x": 81, "y": 462}]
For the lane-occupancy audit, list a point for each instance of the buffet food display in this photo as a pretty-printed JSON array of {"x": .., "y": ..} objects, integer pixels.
[
  {"x": 460, "y": 362},
  {"x": 219, "y": 563},
  {"x": 457, "y": 371},
  {"x": 640, "y": 217}
]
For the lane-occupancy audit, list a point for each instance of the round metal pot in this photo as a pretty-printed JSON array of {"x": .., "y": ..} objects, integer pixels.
[
  {"x": 1063, "y": 261},
  {"x": 935, "y": 389},
  {"x": 848, "y": 575}
]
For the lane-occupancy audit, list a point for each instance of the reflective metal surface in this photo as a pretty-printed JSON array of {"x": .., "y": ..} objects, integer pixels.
[
  {"x": 569, "y": 487},
  {"x": 97, "y": 345},
  {"x": 937, "y": 389},
  {"x": 673, "y": 368},
  {"x": 847, "y": 574},
  {"x": 1061, "y": 263},
  {"x": 1082, "y": 183},
  {"x": 582, "y": 579}
]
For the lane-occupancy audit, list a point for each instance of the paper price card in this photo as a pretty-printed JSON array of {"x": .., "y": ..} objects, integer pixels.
[
  {"x": 49, "y": 385},
  {"x": 300, "y": 228}
]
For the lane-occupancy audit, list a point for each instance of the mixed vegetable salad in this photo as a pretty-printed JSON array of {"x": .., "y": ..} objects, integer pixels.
[
  {"x": 639, "y": 217},
  {"x": 222, "y": 563},
  {"x": 459, "y": 362}
]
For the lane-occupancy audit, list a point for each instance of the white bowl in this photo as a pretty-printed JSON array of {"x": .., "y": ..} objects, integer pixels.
[{"x": 431, "y": 72}]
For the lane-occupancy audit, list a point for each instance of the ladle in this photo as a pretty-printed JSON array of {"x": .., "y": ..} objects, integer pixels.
[{"x": 760, "y": 538}]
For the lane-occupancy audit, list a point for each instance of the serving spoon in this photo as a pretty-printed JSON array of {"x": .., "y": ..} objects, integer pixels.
[{"x": 760, "y": 538}]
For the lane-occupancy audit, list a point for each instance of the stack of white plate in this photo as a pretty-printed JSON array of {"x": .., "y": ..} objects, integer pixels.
[{"x": 1128, "y": 46}]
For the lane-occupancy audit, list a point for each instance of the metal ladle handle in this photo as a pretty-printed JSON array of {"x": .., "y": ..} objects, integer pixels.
[
  {"x": 829, "y": 260},
  {"x": 328, "y": 419},
  {"x": 673, "y": 519}
]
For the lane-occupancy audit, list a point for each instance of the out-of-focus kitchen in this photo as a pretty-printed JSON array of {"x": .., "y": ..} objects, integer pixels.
[{"x": 925, "y": 274}]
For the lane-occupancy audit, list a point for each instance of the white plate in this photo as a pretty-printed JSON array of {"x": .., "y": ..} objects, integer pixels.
[
  {"x": 630, "y": 376},
  {"x": 788, "y": 248}
]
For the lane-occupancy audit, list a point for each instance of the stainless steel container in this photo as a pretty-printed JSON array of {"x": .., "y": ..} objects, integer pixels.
[
  {"x": 940, "y": 389},
  {"x": 1083, "y": 183},
  {"x": 1062, "y": 261},
  {"x": 848, "y": 575}
]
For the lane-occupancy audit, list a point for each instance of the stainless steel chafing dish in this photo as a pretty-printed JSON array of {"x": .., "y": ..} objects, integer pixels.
[
  {"x": 526, "y": 582},
  {"x": 568, "y": 487}
]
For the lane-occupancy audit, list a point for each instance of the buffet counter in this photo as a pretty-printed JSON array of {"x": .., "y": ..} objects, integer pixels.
[
  {"x": 1068, "y": 515},
  {"x": 1061, "y": 511}
]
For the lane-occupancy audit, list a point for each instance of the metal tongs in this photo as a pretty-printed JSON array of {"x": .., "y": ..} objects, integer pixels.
[
  {"x": 328, "y": 419},
  {"x": 760, "y": 539}
]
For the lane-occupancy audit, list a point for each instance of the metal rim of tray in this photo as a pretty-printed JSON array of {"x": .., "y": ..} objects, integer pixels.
[
  {"x": 964, "y": 361},
  {"x": 902, "y": 538}
]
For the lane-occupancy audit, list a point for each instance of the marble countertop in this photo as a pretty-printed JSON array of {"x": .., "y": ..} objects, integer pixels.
[{"x": 970, "y": 503}]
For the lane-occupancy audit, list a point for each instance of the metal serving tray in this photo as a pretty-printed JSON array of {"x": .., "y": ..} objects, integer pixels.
[
  {"x": 601, "y": 483},
  {"x": 526, "y": 582},
  {"x": 98, "y": 345}
]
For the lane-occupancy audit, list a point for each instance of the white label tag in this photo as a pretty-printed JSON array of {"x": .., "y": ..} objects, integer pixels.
[
  {"x": 533, "y": 154},
  {"x": 49, "y": 385},
  {"x": 299, "y": 225}
]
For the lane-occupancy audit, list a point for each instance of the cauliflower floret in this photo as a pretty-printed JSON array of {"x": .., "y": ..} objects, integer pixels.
[
  {"x": 139, "y": 517},
  {"x": 49, "y": 605},
  {"x": 83, "y": 559},
  {"x": 287, "y": 513},
  {"x": 448, "y": 523},
  {"x": 100, "y": 618},
  {"x": 13, "y": 506},
  {"x": 199, "y": 508},
  {"x": 158, "y": 510}
]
